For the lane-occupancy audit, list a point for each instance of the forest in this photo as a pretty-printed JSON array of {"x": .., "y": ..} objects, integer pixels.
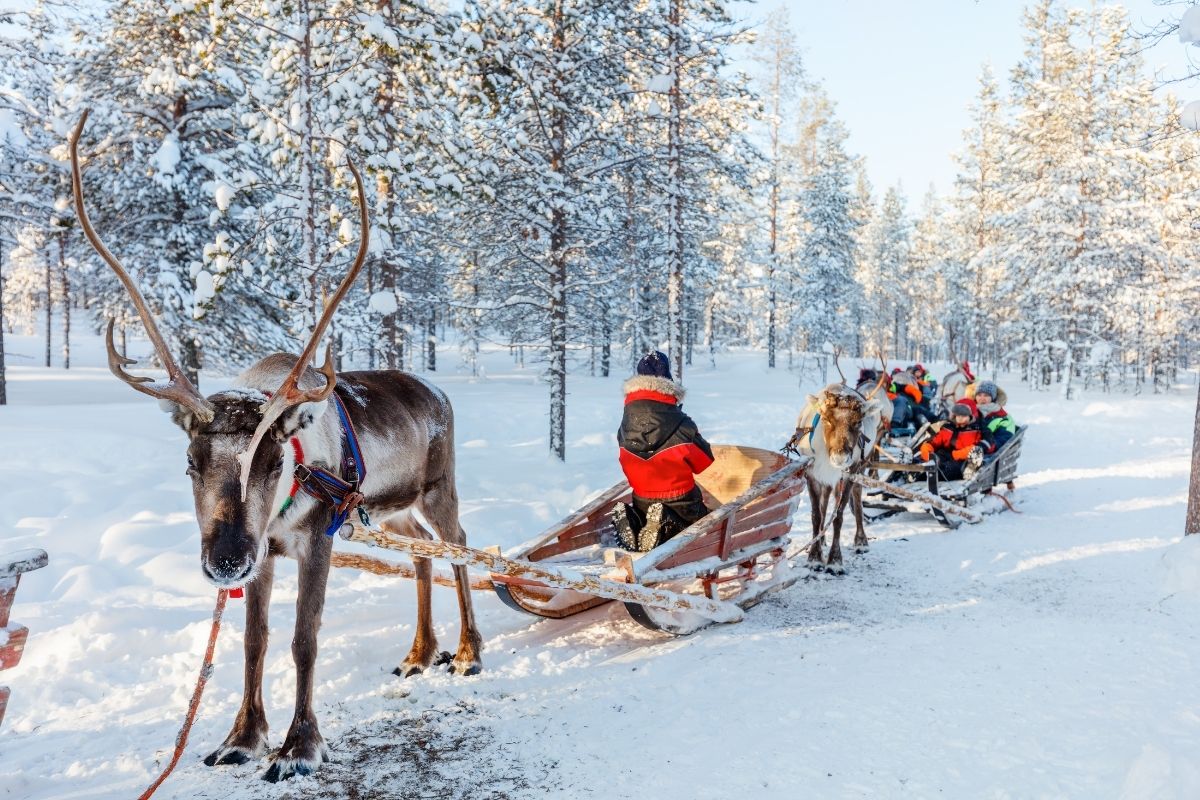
[{"x": 581, "y": 181}]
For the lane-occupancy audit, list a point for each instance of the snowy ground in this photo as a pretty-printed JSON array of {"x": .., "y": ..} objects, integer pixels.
[{"x": 1051, "y": 653}]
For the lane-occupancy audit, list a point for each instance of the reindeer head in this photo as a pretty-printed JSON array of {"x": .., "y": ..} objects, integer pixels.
[
  {"x": 234, "y": 465},
  {"x": 842, "y": 412}
]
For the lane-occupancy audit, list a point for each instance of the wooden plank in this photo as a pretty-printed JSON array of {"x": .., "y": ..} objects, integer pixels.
[
  {"x": 12, "y": 645},
  {"x": 711, "y": 548},
  {"x": 585, "y": 539},
  {"x": 716, "y": 610},
  {"x": 697, "y": 569},
  {"x": 582, "y": 515},
  {"x": 706, "y": 527},
  {"x": 14, "y": 564},
  {"x": 8, "y": 593}
]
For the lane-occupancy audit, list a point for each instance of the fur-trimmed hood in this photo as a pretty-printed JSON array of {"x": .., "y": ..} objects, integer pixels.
[{"x": 652, "y": 383}]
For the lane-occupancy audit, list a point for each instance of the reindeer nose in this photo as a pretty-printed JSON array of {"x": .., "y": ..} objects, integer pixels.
[{"x": 227, "y": 572}]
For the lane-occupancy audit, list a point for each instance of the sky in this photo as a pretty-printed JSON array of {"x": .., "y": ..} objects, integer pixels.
[{"x": 904, "y": 73}]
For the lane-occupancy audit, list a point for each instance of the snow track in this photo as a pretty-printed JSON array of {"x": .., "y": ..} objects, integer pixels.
[{"x": 1043, "y": 654}]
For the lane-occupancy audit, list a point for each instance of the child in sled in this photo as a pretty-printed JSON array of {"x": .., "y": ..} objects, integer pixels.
[
  {"x": 959, "y": 446},
  {"x": 998, "y": 426},
  {"x": 661, "y": 451}
]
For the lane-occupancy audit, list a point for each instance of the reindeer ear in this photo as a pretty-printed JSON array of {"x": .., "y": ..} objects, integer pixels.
[
  {"x": 296, "y": 419},
  {"x": 185, "y": 418}
]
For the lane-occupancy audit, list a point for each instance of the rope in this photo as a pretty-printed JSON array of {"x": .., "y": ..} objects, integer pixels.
[{"x": 205, "y": 672}]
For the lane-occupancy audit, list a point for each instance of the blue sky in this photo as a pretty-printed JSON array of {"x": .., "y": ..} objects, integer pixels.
[{"x": 904, "y": 71}]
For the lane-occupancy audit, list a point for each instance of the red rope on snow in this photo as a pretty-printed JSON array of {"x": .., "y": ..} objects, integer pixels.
[{"x": 194, "y": 705}]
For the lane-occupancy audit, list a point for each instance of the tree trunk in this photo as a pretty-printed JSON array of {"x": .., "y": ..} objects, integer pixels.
[
  {"x": 431, "y": 341},
  {"x": 3, "y": 383},
  {"x": 675, "y": 192},
  {"x": 65, "y": 287},
  {"x": 605, "y": 340},
  {"x": 49, "y": 306},
  {"x": 1192, "y": 523},
  {"x": 558, "y": 271},
  {"x": 189, "y": 356}
]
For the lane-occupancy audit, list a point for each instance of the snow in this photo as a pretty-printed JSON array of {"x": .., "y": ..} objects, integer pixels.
[
  {"x": 205, "y": 287},
  {"x": 223, "y": 195},
  {"x": 1189, "y": 26},
  {"x": 1189, "y": 117},
  {"x": 166, "y": 158},
  {"x": 1043, "y": 654},
  {"x": 659, "y": 83},
  {"x": 383, "y": 303}
]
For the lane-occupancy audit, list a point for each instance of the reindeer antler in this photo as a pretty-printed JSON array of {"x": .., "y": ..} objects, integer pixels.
[
  {"x": 883, "y": 377},
  {"x": 836, "y": 353},
  {"x": 177, "y": 388},
  {"x": 289, "y": 394}
]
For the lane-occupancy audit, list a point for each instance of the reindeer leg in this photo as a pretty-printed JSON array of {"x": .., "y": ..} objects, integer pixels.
[
  {"x": 861, "y": 543},
  {"x": 439, "y": 504},
  {"x": 834, "y": 562},
  {"x": 424, "y": 650},
  {"x": 248, "y": 738},
  {"x": 817, "y": 496},
  {"x": 470, "y": 643},
  {"x": 303, "y": 748}
]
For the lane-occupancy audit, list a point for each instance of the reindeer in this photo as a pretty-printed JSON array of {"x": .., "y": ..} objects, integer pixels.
[
  {"x": 840, "y": 428},
  {"x": 251, "y": 448}
]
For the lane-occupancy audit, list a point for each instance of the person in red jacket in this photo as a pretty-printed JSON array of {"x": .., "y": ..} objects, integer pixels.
[
  {"x": 661, "y": 451},
  {"x": 958, "y": 447}
]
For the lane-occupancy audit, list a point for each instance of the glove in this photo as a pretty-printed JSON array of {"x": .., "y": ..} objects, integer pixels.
[
  {"x": 926, "y": 451},
  {"x": 961, "y": 453}
]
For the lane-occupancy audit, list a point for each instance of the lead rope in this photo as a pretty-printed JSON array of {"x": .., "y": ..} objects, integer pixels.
[{"x": 205, "y": 673}]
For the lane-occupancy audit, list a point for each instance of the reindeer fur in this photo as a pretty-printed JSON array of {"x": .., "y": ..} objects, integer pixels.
[
  {"x": 845, "y": 436},
  {"x": 405, "y": 427}
]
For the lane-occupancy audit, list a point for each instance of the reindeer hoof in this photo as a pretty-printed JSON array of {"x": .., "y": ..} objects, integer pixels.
[
  {"x": 408, "y": 670},
  {"x": 835, "y": 569},
  {"x": 283, "y": 768},
  {"x": 862, "y": 548},
  {"x": 232, "y": 754},
  {"x": 466, "y": 668},
  {"x": 815, "y": 566},
  {"x": 227, "y": 755}
]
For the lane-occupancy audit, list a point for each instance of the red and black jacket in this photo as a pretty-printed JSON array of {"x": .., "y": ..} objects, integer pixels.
[{"x": 661, "y": 449}]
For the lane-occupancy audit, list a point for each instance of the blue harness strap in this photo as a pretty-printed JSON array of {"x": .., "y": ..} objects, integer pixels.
[
  {"x": 813, "y": 429},
  {"x": 340, "y": 492}
]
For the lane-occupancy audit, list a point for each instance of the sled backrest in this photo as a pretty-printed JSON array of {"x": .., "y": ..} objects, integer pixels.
[{"x": 735, "y": 469}]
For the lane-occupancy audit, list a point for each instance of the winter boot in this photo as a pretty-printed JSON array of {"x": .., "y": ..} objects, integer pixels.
[
  {"x": 974, "y": 462},
  {"x": 620, "y": 521},
  {"x": 648, "y": 535}
]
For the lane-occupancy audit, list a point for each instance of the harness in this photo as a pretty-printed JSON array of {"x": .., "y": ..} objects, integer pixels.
[{"x": 340, "y": 492}]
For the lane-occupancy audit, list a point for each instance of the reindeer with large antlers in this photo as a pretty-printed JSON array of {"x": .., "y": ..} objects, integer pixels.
[
  {"x": 289, "y": 427},
  {"x": 840, "y": 428}
]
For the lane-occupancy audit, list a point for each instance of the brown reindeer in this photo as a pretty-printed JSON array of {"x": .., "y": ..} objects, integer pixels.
[
  {"x": 840, "y": 428},
  {"x": 243, "y": 456}
]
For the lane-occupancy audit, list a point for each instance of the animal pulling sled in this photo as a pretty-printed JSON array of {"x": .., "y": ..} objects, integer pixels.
[{"x": 710, "y": 572}]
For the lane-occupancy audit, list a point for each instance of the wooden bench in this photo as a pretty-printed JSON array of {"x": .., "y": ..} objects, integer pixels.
[{"x": 12, "y": 635}]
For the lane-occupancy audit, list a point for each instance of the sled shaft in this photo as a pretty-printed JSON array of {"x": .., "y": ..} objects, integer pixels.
[{"x": 716, "y": 610}]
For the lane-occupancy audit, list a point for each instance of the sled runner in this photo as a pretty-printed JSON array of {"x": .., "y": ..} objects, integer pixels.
[
  {"x": 710, "y": 572},
  {"x": 907, "y": 487}
]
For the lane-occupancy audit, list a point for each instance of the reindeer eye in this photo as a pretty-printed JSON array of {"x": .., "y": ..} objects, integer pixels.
[{"x": 191, "y": 467}]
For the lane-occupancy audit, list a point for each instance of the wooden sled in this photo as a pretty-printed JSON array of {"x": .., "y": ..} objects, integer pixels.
[
  {"x": 12, "y": 635},
  {"x": 736, "y": 553},
  {"x": 896, "y": 491},
  {"x": 711, "y": 572}
]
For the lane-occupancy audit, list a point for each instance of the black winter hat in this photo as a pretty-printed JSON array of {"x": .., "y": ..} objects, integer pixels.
[{"x": 656, "y": 364}]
